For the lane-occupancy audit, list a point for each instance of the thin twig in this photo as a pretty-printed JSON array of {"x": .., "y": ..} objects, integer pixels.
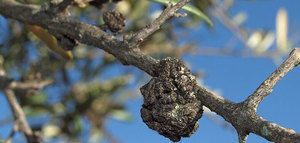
[
  {"x": 14, "y": 130},
  {"x": 109, "y": 136},
  {"x": 6, "y": 82},
  {"x": 57, "y": 7},
  {"x": 267, "y": 86},
  {"x": 219, "y": 12},
  {"x": 155, "y": 25},
  {"x": 240, "y": 116},
  {"x": 30, "y": 84},
  {"x": 19, "y": 115}
]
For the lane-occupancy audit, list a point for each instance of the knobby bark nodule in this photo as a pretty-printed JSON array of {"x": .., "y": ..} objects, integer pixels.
[{"x": 172, "y": 99}]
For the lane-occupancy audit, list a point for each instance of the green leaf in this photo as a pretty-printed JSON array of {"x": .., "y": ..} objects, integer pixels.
[{"x": 190, "y": 8}]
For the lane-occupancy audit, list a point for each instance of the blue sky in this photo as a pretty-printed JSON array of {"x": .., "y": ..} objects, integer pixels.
[{"x": 234, "y": 77}]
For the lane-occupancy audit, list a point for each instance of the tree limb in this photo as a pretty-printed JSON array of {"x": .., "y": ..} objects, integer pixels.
[
  {"x": 243, "y": 118},
  {"x": 155, "y": 25},
  {"x": 14, "y": 130},
  {"x": 82, "y": 32},
  {"x": 30, "y": 84},
  {"x": 6, "y": 82},
  {"x": 58, "y": 6},
  {"x": 20, "y": 119},
  {"x": 267, "y": 86}
]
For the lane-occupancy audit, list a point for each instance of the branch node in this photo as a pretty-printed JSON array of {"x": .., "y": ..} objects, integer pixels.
[
  {"x": 155, "y": 25},
  {"x": 170, "y": 105}
]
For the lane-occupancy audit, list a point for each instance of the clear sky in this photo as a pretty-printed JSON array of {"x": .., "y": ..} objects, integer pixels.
[{"x": 234, "y": 77}]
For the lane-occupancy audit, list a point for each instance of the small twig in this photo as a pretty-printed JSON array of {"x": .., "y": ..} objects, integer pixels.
[
  {"x": 155, "y": 25},
  {"x": 6, "y": 82},
  {"x": 30, "y": 84},
  {"x": 238, "y": 115},
  {"x": 14, "y": 130},
  {"x": 219, "y": 12},
  {"x": 57, "y": 6},
  {"x": 267, "y": 86},
  {"x": 109, "y": 136},
  {"x": 19, "y": 116}
]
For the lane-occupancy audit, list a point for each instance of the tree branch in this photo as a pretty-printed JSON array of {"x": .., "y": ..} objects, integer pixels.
[
  {"x": 219, "y": 12},
  {"x": 20, "y": 123},
  {"x": 30, "y": 84},
  {"x": 82, "y": 32},
  {"x": 20, "y": 119},
  {"x": 155, "y": 25},
  {"x": 58, "y": 6},
  {"x": 267, "y": 86},
  {"x": 6, "y": 82},
  {"x": 243, "y": 118},
  {"x": 11, "y": 135}
]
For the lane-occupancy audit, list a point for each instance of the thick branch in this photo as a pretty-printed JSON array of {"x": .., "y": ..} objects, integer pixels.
[
  {"x": 267, "y": 86},
  {"x": 239, "y": 115},
  {"x": 82, "y": 32},
  {"x": 155, "y": 25}
]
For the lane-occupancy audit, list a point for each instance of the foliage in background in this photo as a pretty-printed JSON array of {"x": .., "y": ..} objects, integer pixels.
[{"x": 84, "y": 91}]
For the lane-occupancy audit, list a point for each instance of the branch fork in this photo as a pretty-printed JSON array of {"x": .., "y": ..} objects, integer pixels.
[{"x": 242, "y": 115}]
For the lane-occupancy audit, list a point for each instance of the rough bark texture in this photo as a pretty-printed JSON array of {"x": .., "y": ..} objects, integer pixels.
[
  {"x": 114, "y": 20},
  {"x": 241, "y": 115},
  {"x": 170, "y": 105}
]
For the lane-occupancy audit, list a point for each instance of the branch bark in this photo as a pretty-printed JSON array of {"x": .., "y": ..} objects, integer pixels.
[
  {"x": 60, "y": 6},
  {"x": 20, "y": 119},
  {"x": 240, "y": 115},
  {"x": 30, "y": 84},
  {"x": 155, "y": 25},
  {"x": 267, "y": 86},
  {"x": 20, "y": 123},
  {"x": 6, "y": 82},
  {"x": 14, "y": 130}
]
